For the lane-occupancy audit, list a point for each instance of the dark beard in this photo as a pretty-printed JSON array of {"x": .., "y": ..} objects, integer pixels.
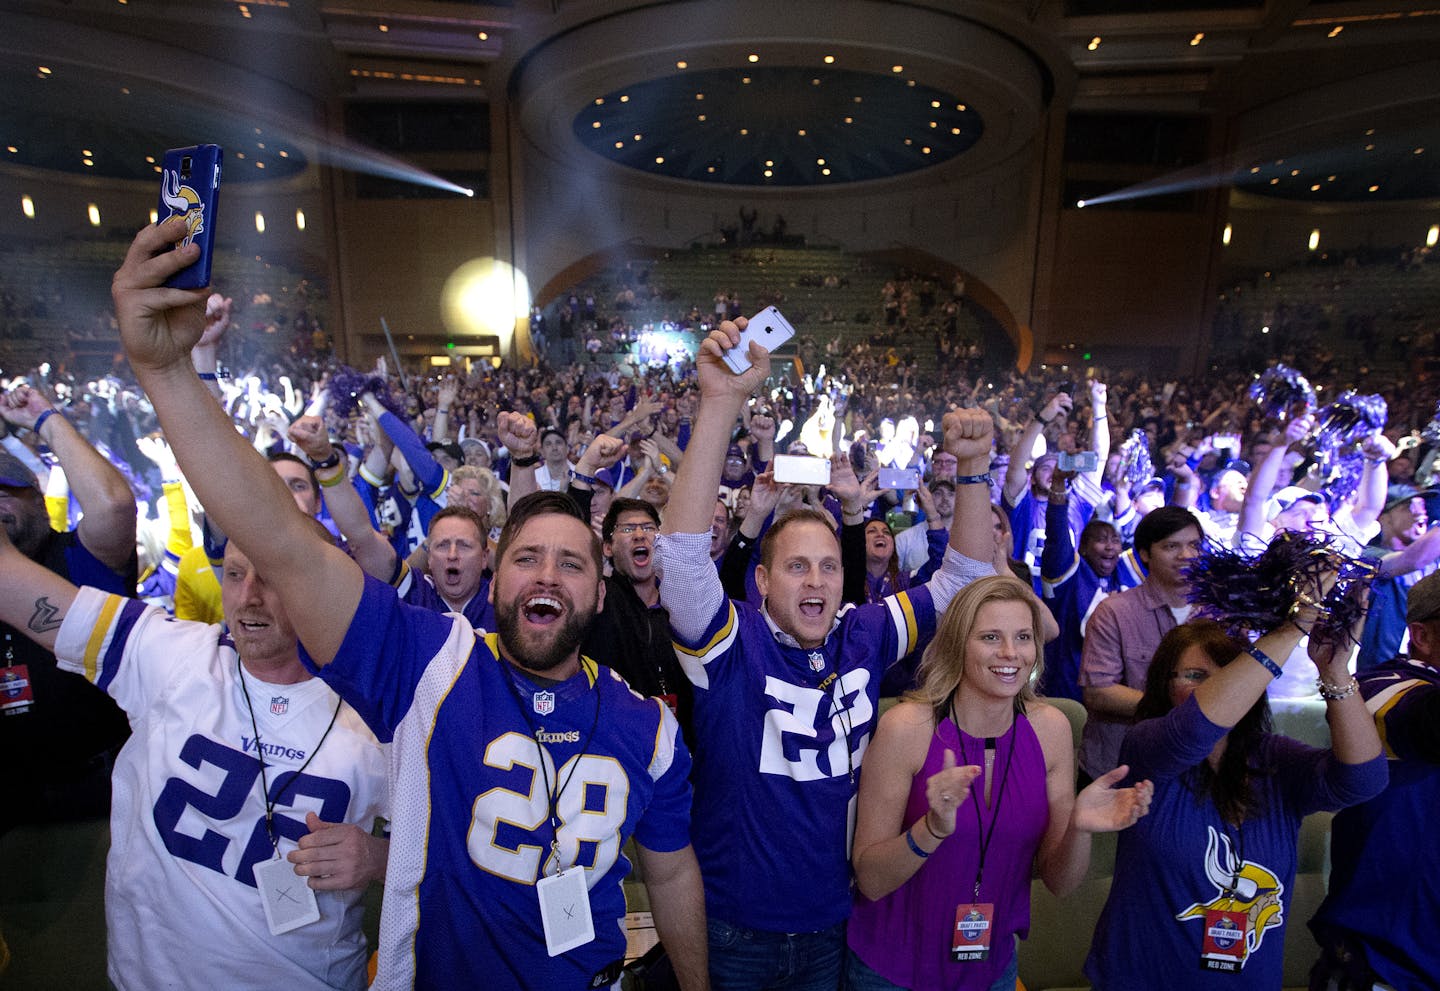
[{"x": 572, "y": 630}]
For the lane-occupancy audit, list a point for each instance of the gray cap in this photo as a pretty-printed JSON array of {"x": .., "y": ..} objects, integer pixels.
[
  {"x": 1423, "y": 603},
  {"x": 15, "y": 474}
]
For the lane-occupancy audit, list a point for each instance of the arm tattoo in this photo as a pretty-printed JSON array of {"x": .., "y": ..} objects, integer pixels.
[{"x": 46, "y": 617}]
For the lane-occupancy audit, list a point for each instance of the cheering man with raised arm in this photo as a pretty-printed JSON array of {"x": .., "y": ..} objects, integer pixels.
[
  {"x": 786, "y": 695},
  {"x": 520, "y": 767}
]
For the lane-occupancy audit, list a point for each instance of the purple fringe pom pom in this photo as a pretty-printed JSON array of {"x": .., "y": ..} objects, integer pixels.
[
  {"x": 1251, "y": 594},
  {"x": 1279, "y": 390},
  {"x": 346, "y": 385},
  {"x": 1136, "y": 466}
]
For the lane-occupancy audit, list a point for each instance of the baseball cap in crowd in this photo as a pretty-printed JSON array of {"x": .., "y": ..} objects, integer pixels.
[
  {"x": 1401, "y": 493},
  {"x": 470, "y": 443},
  {"x": 1287, "y": 497},
  {"x": 451, "y": 449},
  {"x": 1153, "y": 484},
  {"x": 15, "y": 474},
  {"x": 1423, "y": 603},
  {"x": 941, "y": 483}
]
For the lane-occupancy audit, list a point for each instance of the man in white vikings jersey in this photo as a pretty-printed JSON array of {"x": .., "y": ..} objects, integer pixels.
[
  {"x": 519, "y": 768},
  {"x": 238, "y": 759}
]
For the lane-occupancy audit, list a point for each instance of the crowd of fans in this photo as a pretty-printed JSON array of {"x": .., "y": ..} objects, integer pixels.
[{"x": 1003, "y": 549}]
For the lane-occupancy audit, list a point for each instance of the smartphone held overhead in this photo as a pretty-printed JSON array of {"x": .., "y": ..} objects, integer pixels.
[
  {"x": 190, "y": 188},
  {"x": 769, "y": 328},
  {"x": 797, "y": 469}
]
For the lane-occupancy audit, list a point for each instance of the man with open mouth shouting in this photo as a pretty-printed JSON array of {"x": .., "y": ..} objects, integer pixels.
[
  {"x": 786, "y": 696},
  {"x": 520, "y": 768}
]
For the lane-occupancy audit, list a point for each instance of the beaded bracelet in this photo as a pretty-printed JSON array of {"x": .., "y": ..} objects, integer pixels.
[
  {"x": 1333, "y": 693},
  {"x": 915, "y": 848},
  {"x": 1265, "y": 661},
  {"x": 972, "y": 479}
]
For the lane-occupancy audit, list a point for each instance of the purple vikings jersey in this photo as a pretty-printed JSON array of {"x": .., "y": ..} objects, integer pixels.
[
  {"x": 478, "y": 750},
  {"x": 786, "y": 729}
]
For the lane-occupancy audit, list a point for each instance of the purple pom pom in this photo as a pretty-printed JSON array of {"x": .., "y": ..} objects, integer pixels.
[
  {"x": 346, "y": 385},
  {"x": 1251, "y": 594},
  {"x": 1280, "y": 390},
  {"x": 1136, "y": 466}
]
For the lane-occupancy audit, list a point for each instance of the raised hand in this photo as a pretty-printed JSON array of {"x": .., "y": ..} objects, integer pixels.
[
  {"x": 158, "y": 326},
  {"x": 23, "y": 405},
  {"x": 1059, "y": 404},
  {"x": 217, "y": 319},
  {"x": 601, "y": 453},
  {"x": 716, "y": 378},
  {"x": 969, "y": 435},
  {"x": 764, "y": 496},
  {"x": 762, "y": 426},
  {"x": 309, "y": 434},
  {"x": 1103, "y": 808},
  {"x": 518, "y": 433}
]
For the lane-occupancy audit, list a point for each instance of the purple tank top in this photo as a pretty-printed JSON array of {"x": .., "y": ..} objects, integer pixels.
[{"x": 905, "y": 936}]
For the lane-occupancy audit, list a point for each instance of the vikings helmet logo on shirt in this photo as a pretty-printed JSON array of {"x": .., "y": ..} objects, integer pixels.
[
  {"x": 1257, "y": 893},
  {"x": 184, "y": 202}
]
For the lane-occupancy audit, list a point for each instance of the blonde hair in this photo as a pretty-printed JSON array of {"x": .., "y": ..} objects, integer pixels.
[
  {"x": 942, "y": 667},
  {"x": 490, "y": 485}
]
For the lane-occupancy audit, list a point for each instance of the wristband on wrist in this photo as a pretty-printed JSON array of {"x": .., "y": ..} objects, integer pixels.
[
  {"x": 40, "y": 420},
  {"x": 1264, "y": 660},
  {"x": 579, "y": 476},
  {"x": 528, "y": 461},
  {"x": 339, "y": 478},
  {"x": 925, "y": 821},
  {"x": 915, "y": 848},
  {"x": 972, "y": 479},
  {"x": 325, "y": 463}
]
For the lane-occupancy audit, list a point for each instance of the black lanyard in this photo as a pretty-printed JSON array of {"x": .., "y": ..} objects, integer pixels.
[
  {"x": 1237, "y": 853},
  {"x": 983, "y": 835},
  {"x": 270, "y": 803},
  {"x": 553, "y": 797}
]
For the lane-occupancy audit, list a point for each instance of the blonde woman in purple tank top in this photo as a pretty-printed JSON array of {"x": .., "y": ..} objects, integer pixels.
[{"x": 968, "y": 786}]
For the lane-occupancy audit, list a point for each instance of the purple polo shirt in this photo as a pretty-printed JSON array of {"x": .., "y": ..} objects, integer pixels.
[{"x": 1120, "y": 641}]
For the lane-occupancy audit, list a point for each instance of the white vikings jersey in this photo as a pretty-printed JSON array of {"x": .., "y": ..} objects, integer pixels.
[{"x": 187, "y": 820}]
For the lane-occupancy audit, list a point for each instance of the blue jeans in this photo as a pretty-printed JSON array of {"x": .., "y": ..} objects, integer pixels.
[
  {"x": 751, "y": 959},
  {"x": 860, "y": 977}
]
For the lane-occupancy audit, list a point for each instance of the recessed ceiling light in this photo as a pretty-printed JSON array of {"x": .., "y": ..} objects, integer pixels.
[
  {"x": 619, "y": 144},
  {"x": 819, "y": 161},
  {"x": 1419, "y": 151},
  {"x": 710, "y": 168},
  {"x": 239, "y": 154},
  {"x": 960, "y": 107},
  {"x": 908, "y": 142},
  {"x": 1369, "y": 147},
  {"x": 637, "y": 137},
  {"x": 624, "y": 99},
  {"x": 934, "y": 123},
  {"x": 384, "y": 28},
  {"x": 284, "y": 153},
  {"x": 1094, "y": 43},
  {"x": 594, "y": 123},
  {"x": 745, "y": 80},
  {"x": 1199, "y": 37},
  {"x": 897, "y": 68},
  {"x": 1294, "y": 172},
  {"x": 483, "y": 36},
  {"x": 13, "y": 150},
  {"x": 925, "y": 151},
  {"x": 599, "y": 101},
  {"x": 1254, "y": 170},
  {"x": 829, "y": 59},
  {"x": 744, "y": 131},
  {"x": 768, "y": 173},
  {"x": 699, "y": 96},
  {"x": 1374, "y": 189},
  {"x": 86, "y": 152},
  {"x": 659, "y": 159},
  {"x": 1335, "y": 30},
  {"x": 89, "y": 162},
  {"x": 259, "y": 165},
  {"x": 849, "y": 120},
  {"x": 1369, "y": 132},
  {"x": 910, "y": 83},
  {"x": 824, "y": 171},
  {"x": 859, "y": 99},
  {"x": 1274, "y": 181},
  {"x": 935, "y": 104},
  {"x": 769, "y": 163},
  {"x": 44, "y": 70},
  {"x": 801, "y": 132},
  {"x": 753, "y": 58},
  {"x": 682, "y": 64},
  {"x": 701, "y": 118},
  {"x": 815, "y": 82},
  {"x": 1315, "y": 188},
  {"x": 954, "y": 130}
]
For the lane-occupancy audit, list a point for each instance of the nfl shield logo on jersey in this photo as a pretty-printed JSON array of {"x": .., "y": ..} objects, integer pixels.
[
  {"x": 279, "y": 705},
  {"x": 544, "y": 703},
  {"x": 817, "y": 661}
]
